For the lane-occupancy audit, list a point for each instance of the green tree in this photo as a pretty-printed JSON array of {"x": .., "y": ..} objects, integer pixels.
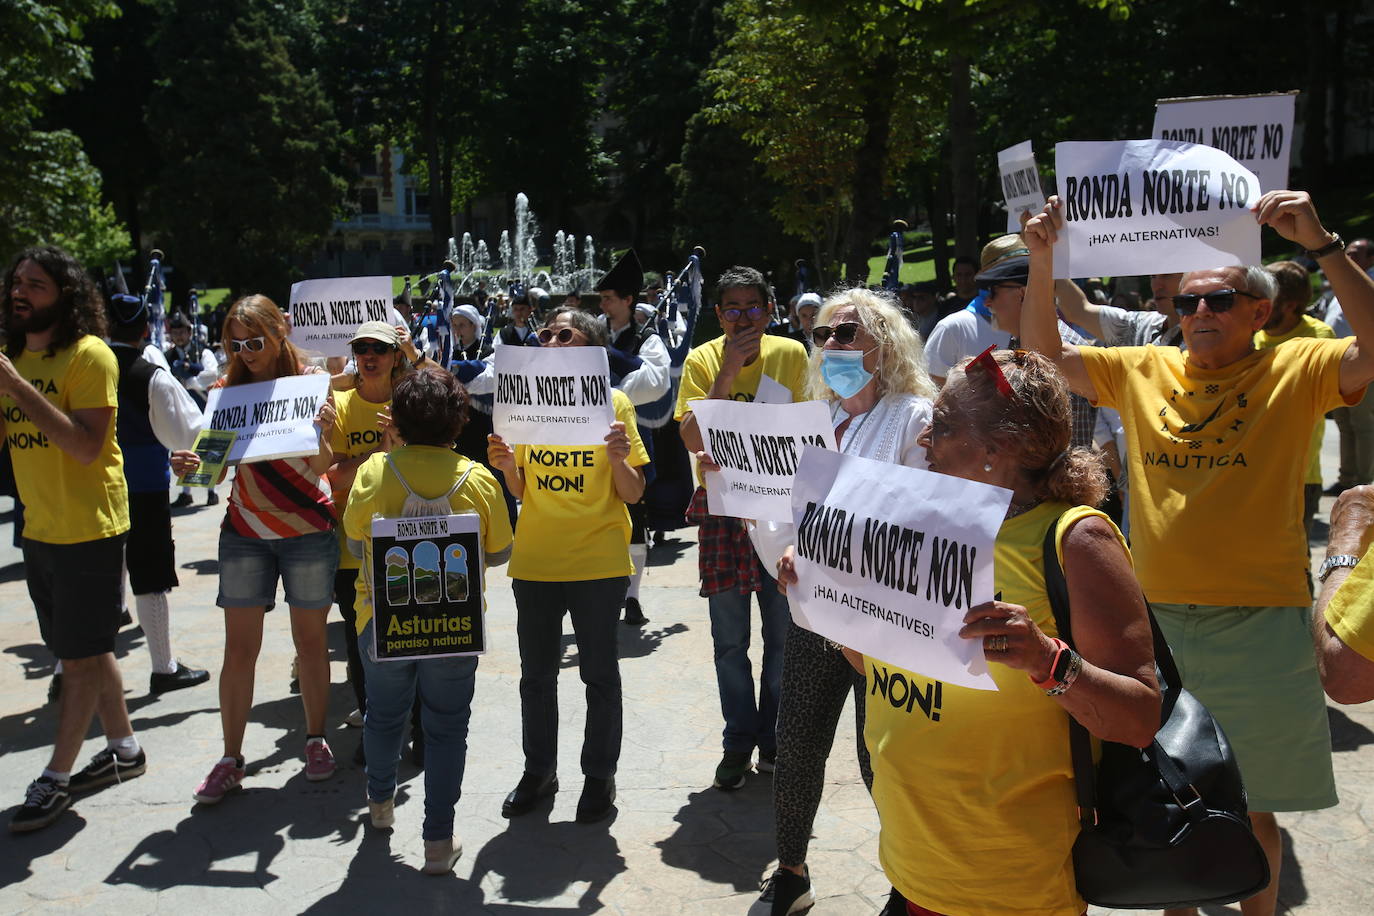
[
  {"x": 252, "y": 155},
  {"x": 51, "y": 192}
]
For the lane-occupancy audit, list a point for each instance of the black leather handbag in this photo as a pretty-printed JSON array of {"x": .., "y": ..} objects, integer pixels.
[{"x": 1164, "y": 826}]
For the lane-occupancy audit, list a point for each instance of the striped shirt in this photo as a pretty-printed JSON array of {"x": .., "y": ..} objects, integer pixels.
[{"x": 281, "y": 498}]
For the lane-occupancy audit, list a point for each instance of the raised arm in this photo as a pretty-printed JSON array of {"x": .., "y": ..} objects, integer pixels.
[
  {"x": 1077, "y": 309},
  {"x": 1292, "y": 215},
  {"x": 1039, "y": 326},
  {"x": 1347, "y": 675}
]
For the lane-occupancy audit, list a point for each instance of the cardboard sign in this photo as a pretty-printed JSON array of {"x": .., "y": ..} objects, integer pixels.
[
  {"x": 552, "y": 395},
  {"x": 213, "y": 447},
  {"x": 427, "y": 587},
  {"x": 1020, "y": 183},
  {"x": 325, "y": 314},
  {"x": 1135, "y": 207},
  {"x": 890, "y": 559},
  {"x": 273, "y": 419},
  {"x": 1254, "y": 130},
  {"x": 757, "y": 447}
]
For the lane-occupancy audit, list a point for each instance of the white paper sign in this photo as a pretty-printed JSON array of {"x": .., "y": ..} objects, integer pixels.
[
  {"x": 552, "y": 395},
  {"x": 890, "y": 559},
  {"x": 757, "y": 447},
  {"x": 325, "y": 314},
  {"x": 771, "y": 391},
  {"x": 1255, "y": 130},
  {"x": 1135, "y": 207},
  {"x": 1020, "y": 183},
  {"x": 273, "y": 419}
]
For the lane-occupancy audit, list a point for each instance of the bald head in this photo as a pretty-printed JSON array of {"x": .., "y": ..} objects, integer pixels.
[{"x": 1361, "y": 253}]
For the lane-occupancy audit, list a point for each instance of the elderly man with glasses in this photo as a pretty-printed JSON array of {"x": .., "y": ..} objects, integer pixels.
[
  {"x": 1219, "y": 435},
  {"x": 744, "y": 364}
]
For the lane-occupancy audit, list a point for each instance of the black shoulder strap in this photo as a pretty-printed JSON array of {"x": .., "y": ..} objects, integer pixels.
[{"x": 1057, "y": 589}]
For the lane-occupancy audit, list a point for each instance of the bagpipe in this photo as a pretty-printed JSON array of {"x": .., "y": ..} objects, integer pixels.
[
  {"x": 680, "y": 297},
  {"x": 893, "y": 269},
  {"x": 153, "y": 291}
]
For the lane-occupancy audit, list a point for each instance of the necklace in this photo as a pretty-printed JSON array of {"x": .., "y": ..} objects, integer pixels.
[{"x": 1014, "y": 510}]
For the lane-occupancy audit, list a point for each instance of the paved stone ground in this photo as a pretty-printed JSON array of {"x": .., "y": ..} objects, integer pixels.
[{"x": 675, "y": 845}]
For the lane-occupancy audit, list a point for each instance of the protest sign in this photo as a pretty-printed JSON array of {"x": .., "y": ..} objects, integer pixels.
[
  {"x": 273, "y": 419},
  {"x": 757, "y": 447},
  {"x": 213, "y": 446},
  {"x": 325, "y": 314},
  {"x": 890, "y": 559},
  {"x": 1254, "y": 130},
  {"x": 427, "y": 587},
  {"x": 552, "y": 395},
  {"x": 1020, "y": 183},
  {"x": 1134, "y": 207}
]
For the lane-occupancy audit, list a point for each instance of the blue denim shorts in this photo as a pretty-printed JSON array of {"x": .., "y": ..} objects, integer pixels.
[{"x": 249, "y": 567}]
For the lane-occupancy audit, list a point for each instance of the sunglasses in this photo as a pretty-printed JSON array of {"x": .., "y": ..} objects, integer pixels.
[
  {"x": 843, "y": 333},
  {"x": 252, "y": 344},
  {"x": 1219, "y": 301},
  {"x": 755, "y": 312},
  {"x": 375, "y": 347},
  {"x": 564, "y": 336}
]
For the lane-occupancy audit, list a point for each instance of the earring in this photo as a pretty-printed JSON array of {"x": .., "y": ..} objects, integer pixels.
[{"x": 988, "y": 466}]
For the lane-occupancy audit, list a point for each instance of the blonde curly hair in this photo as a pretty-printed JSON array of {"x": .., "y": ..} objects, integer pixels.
[{"x": 901, "y": 353}]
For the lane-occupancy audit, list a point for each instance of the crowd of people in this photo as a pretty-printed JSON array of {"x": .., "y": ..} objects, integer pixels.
[{"x": 1202, "y": 412}]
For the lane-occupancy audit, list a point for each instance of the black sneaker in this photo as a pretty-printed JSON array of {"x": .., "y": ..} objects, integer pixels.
[
  {"x": 125, "y": 619},
  {"x": 179, "y": 679},
  {"x": 730, "y": 772},
  {"x": 787, "y": 893},
  {"x": 768, "y": 761},
  {"x": 634, "y": 614},
  {"x": 212, "y": 499},
  {"x": 105, "y": 768},
  {"x": 43, "y": 802},
  {"x": 183, "y": 501}
]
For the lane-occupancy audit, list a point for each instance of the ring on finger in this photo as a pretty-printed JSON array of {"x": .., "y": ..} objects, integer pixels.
[{"x": 996, "y": 643}]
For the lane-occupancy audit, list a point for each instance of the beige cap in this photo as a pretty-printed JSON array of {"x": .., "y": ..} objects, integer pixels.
[{"x": 377, "y": 330}]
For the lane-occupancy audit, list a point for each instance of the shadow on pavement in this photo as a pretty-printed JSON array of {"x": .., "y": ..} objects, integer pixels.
[
  {"x": 637, "y": 642},
  {"x": 203, "y": 567},
  {"x": 1346, "y": 733},
  {"x": 14, "y": 572},
  {"x": 18, "y": 850},
  {"x": 536, "y": 860},
  {"x": 668, "y": 550},
  {"x": 725, "y": 837},
  {"x": 375, "y": 871}
]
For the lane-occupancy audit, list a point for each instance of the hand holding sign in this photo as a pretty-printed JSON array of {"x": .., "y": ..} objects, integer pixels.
[
  {"x": 618, "y": 442},
  {"x": 500, "y": 455},
  {"x": 1026, "y": 647}
]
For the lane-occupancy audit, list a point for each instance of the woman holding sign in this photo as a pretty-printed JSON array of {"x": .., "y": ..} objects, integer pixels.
[
  {"x": 977, "y": 796},
  {"x": 279, "y": 524},
  {"x": 572, "y": 554},
  {"x": 870, "y": 366},
  {"x": 424, "y": 476}
]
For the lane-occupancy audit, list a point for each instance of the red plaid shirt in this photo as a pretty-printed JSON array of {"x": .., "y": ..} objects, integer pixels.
[{"x": 725, "y": 555}]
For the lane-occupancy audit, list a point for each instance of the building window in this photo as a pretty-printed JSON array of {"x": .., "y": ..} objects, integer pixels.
[
  {"x": 421, "y": 204},
  {"x": 367, "y": 201}
]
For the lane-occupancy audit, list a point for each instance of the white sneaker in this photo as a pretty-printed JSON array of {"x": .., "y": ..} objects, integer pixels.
[
  {"x": 354, "y": 719},
  {"x": 440, "y": 855},
  {"x": 383, "y": 813}
]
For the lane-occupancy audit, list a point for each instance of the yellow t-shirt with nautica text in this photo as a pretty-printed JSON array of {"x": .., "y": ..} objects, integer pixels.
[
  {"x": 1217, "y": 462},
  {"x": 65, "y": 501},
  {"x": 355, "y": 433}
]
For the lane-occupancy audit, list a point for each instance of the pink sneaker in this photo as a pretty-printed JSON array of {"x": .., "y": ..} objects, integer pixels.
[
  {"x": 225, "y": 776},
  {"x": 319, "y": 760}
]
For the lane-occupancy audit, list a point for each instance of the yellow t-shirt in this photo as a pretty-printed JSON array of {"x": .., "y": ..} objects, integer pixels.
[
  {"x": 1307, "y": 326},
  {"x": 1350, "y": 612},
  {"x": 1216, "y": 486},
  {"x": 974, "y": 788},
  {"x": 573, "y": 526},
  {"x": 355, "y": 433},
  {"x": 65, "y": 501},
  {"x": 430, "y": 470},
  {"x": 780, "y": 358}
]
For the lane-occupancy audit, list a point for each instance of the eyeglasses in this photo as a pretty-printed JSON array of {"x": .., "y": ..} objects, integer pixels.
[
  {"x": 564, "y": 336},
  {"x": 755, "y": 312},
  {"x": 843, "y": 333},
  {"x": 1219, "y": 301},
  {"x": 251, "y": 344},
  {"x": 375, "y": 347}
]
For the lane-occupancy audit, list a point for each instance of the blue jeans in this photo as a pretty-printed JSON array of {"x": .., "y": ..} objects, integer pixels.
[
  {"x": 445, "y": 686},
  {"x": 749, "y": 724}
]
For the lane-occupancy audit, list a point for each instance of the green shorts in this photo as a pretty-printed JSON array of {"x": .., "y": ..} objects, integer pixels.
[{"x": 1255, "y": 669}]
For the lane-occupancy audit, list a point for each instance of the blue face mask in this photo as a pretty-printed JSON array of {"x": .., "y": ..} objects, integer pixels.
[{"x": 844, "y": 372}]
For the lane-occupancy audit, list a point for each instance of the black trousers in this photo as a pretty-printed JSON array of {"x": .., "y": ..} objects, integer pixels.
[{"x": 594, "y": 606}]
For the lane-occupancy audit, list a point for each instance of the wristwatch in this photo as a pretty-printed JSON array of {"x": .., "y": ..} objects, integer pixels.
[
  {"x": 1339, "y": 560},
  {"x": 1064, "y": 670},
  {"x": 1336, "y": 244}
]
